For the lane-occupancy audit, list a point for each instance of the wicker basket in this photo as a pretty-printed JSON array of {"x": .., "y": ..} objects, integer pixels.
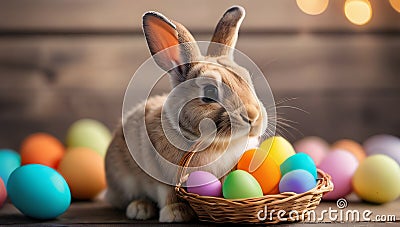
[{"x": 220, "y": 210}]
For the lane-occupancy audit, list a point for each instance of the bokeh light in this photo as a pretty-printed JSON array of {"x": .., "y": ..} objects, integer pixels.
[
  {"x": 358, "y": 12},
  {"x": 395, "y": 4},
  {"x": 312, "y": 7}
]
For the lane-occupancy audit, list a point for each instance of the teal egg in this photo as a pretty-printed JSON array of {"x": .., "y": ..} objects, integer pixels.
[
  {"x": 9, "y": 161},
  {"x": 240, "y": 184},
  {"x": 299, "y": 161},
  {"x": 39, "y": 191},
  {"x": 89, "y": 133}
]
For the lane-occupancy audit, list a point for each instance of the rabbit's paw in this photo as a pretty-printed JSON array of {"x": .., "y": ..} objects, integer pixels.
[
  {"x": 140, "y": 210},
  {"x": 176, "y": 212}
]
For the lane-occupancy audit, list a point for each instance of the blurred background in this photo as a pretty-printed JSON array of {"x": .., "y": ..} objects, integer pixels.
[{"x": 65, "y": 60}]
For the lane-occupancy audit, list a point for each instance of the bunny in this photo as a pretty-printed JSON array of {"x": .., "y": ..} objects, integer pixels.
[{"x": 132, "y": 189}]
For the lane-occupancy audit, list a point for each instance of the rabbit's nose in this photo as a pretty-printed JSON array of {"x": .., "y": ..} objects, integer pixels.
[
  {"x": 245, "y": 119},
  {"x": 252, "y": 115}
]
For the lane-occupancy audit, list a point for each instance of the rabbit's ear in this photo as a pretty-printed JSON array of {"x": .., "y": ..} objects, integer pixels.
[
  {"x": 226, "y": 32},
  {"x": 162, "y": 33}
]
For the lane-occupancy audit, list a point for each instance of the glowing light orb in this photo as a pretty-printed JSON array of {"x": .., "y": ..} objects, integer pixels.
[
  {"x": 312, "y": 7},
  {"x": 358, "y": 12}
]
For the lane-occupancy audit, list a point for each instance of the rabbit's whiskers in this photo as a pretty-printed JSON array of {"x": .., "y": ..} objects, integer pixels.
[{"x": 282, "y": 125}]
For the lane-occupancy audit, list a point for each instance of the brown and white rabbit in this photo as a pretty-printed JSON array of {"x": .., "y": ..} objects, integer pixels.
[{"x": 129, "y": 187}]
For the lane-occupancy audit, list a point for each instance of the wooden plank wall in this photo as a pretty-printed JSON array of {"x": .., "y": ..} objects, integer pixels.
[{"x": 62, "y": 60}]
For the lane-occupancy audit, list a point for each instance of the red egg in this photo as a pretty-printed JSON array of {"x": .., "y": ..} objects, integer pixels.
[{"x": 3, "y": 193}]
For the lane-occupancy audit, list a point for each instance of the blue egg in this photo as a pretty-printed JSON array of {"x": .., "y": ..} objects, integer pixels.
[
  {"x": 39, "y": 191},
  {"x": 9, "y": 161},
  {"x": 299, "y": 161},
  {"x": 297, "y": 181}
]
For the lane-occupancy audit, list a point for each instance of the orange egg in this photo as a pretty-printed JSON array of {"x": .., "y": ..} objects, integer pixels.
[
  {"x": 42, "y": 148},
  {"x": 83, "y": 169},
  {"x": 267, "y": 173},
  {"x": 353, "y": 147}
]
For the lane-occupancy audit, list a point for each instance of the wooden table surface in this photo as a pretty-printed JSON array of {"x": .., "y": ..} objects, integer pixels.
[{"x": 100, "y": 213}]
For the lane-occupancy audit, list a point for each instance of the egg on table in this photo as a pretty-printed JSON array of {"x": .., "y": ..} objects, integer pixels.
[
  {"x": 204, "y": 183},
  {"x": 89, "y": 133},
  {"x": 278, "y": 148},
  {"x": 3, "y": 193},
  {"x": 383, "y": 144},
  {"x": 83, "y": 169},
  {"x": 240, "y": 184},
  {"x": 377, "y": 179},
  {"x": 340, "y": 165},
  {"x": 9, "y": 161},
  {"x": 263, "y": 168},
  {"x": 41, "y": 148},
  {"x": 314, "y": 146},
  {"x": 351, "y": 146},
  {"x": 297, "y": 181},
  {"x": 38, "y": 191}
]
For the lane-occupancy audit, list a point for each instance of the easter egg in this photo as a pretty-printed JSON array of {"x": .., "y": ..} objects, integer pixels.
[
  {"x": 204, "y": 183},
  {"x": 38, "y": 191},
  {"x": 299, "y": 161},
  {"x": 90, "y": 134},
  {"x": 9, "y": 161},
  {"x": 377, "y": 179},
  {"x": 83, "y": 169},
  {"x": 240, "y": 184},
  {"x": 3, "y": 193},
  {"x": 263, "y": 168},
  {"x": 352, "y": 146},
  {"x": 297, "y": 181},
  {"x": 314, "y": 146},
  {"x": 42, "y": 148},
  {"x": 341, "y": 165},
  {"x": 383, "y": 144},
  {"x": 279, "y": 149}
]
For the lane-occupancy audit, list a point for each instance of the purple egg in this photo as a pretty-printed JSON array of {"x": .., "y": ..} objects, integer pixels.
[
  {"x": 297, "y": 181},
  {"x": 383, "y": 144},
  {"x": 204, "y": 184}
]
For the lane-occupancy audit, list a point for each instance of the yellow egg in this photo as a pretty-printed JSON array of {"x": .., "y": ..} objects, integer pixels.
[
  {"x": 377, "y": 179},
  {"x": 279, "y": 149},
  {"x": 83, "y": 169}
]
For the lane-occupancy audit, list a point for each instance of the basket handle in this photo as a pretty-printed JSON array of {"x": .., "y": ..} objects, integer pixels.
[{"x": 184, "y": 163}]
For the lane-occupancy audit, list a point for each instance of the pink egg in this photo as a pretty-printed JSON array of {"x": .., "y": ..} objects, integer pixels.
[
  {"x": 315, "y": 147},
  {"x": 204, "y": 183},
  {"x": 341, "y": 165},
  {"x": 3, "y": 193}
]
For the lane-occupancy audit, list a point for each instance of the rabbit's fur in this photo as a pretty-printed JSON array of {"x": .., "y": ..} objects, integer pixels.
[{"x": 129, "y": 187}]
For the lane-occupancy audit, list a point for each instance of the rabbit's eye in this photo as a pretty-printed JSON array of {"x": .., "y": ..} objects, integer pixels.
[{"x": 210, "y": 94}]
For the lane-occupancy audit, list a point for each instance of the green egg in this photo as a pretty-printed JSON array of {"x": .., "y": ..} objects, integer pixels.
[
  {"x": 90, "y": 134},
  {"x": 240, "y": 184}
]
